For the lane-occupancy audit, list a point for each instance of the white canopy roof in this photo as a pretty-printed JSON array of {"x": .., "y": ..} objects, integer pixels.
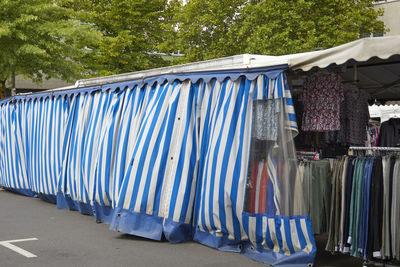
[
  {"x": 385, "y": 112},
  {"x": 380, "y": 82},
  {"x": 372, "y": 63},
  {"x": 360, "y": 50}
]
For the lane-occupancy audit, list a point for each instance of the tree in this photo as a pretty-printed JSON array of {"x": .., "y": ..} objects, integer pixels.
[
  {"x": 228, "y": 27},
  {"x": 133, "y": 33},
  {"x": 203, "y": 27},
  {"x": 42, "y": 39}
]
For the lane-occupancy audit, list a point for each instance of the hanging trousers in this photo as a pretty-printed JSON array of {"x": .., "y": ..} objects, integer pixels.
[
  {"x": 376, "y": 210},
  {"x": 335, "y": 210},
  {"x": 396, "y": 211},
  {"x": 319, "y": 197},
  {"x": 386, "y": 251},
  {"x": 355, "y": 207},
  {"x": 363, "y": 234},
  {"x": 347, "y": 199}
]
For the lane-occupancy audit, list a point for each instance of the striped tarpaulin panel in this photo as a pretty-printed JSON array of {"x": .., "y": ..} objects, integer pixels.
[
  {"x": 226, "y": 116},
  {"x": 159, "y": 179},
  {"x": 280, "y": 234},
  {"x": 131, "y": 117},
  {"x": 225, "y": 137},
  {"x": 45, "y": 120},
  {"x": 102, "y": 186},
  {"x": 158, "y": 156},
  {"x": 13, "y": 169},
  {"x": 92, "y": 117},
  {"x": 73, "y": 183}
]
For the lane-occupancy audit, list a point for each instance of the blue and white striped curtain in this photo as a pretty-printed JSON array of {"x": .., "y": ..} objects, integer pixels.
[{"x": 168, "y": 156}]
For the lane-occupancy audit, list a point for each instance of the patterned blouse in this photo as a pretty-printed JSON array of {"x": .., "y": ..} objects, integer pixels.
[
  {"x": 322, "y": 96},
  {"x": 265, "y": 120}
]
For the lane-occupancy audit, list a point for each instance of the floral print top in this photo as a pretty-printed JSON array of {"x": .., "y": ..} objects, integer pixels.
[{"x": 322, "y": 96}]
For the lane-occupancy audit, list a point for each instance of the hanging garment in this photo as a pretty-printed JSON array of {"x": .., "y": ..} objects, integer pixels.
[
  {"x": 391, "y": 184},
  {"x": 355, "y": 206},
  {"x": 322, "y": 96},
  {"x": 299, "y": 195},
  {"x": 395, "y": 211},
  {"x": 365, "y": 207},
  {"x": 376, "y": 209},
  {"x": 356, "y": 112},
  {"x": 265, "y": 121},
  {"x": 346, "y": 203},
  {"x": 390, "y": 133},
  {"x": 261, "y": 194},
  {"x": 373, "y": 135},
  {"x": 319, "y": 181},
  {"x": 335, "y": 210},
  {"x": 312, "y": 192},
  {"x": 342, "y": 203},
  {"x": 386, "y": 232}
]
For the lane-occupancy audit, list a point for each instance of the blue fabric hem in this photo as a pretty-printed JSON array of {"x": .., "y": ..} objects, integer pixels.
[
  {"x": 138, "y": 224},
  {"x": 25, "y": 192},
  {"x": 66, "y": 203},
  {"x": 177, "y": 232},
  {"x": 150, "y": 226},
  {"x": 277, "y": 259},
  {"x": 103, "y": 214},
  {"x": 247, "y": 249},
  {"x": 48, "y": 198},
  {"x": 222, "y": 243}
]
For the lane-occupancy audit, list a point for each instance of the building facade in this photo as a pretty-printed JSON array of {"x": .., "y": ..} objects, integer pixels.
[{"x": 391, "y": 17}]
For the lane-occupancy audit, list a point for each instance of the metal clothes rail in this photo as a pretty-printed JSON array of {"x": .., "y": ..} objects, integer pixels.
[{"x": 375, "y": 148}]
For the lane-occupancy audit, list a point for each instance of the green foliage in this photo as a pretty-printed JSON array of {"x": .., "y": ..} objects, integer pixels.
[
  {"x": 70, "y": 38},
  {"x": 216, "y": 28},
  {"x": 204, "y": 27},
  {"x": 42, "y": 39},
  {"x": 134, "y": 31}
]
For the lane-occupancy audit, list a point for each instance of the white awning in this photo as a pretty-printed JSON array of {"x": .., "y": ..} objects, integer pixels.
[
  {"x": 385, "y": 112},
  {"x": 360, "y": 50}
]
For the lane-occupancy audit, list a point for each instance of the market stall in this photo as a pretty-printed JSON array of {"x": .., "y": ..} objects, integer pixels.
[
  {"x": 206, "y": 150},
  {"x": 167, "y": 152}
]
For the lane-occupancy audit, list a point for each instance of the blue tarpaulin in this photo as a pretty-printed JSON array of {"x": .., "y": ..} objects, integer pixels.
[{"x": 167, "y": 155}]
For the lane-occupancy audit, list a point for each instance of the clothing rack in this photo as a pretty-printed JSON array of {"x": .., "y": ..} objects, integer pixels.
[
  {"x": 375, "y": 148},
  {"x": 395, "y": 149},
  {"x": 307, "y": 153}
]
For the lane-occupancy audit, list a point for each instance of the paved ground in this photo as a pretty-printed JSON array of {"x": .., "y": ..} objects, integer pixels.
[{"x": 68, "y": 238}]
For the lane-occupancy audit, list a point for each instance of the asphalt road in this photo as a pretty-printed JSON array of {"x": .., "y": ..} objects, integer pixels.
[{"x": 68, "y": 238}]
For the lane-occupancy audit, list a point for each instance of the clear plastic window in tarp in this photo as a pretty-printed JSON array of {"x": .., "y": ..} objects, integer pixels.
[{"x": 272, "y": 165}]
